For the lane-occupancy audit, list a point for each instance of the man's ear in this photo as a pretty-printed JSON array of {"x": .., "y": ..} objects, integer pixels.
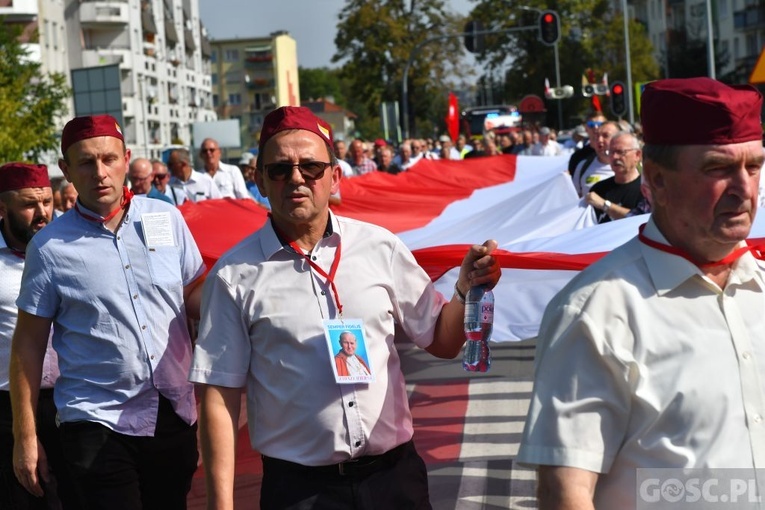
[
  {"x": 64, "y": 169},
  {"x": 656, "y": 179},
  {"x": 337, "y": 174},
  {"x": 259, "y": 181}
]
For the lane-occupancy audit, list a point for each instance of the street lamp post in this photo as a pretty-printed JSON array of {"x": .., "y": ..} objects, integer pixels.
[
  {"x": 710, "y": 43},
  {"x": 629, "y": 60}
]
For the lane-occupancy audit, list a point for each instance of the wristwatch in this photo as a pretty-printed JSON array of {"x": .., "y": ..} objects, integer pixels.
[{"x": 606, "y": 205}]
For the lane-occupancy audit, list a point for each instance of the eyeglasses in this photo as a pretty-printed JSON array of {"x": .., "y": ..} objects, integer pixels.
[
  {"x": 594, "y": 124},
  {"x": 309, "y": 170},
  {"x": 620, "y": 152},
  {"x": 204, "y": 149},
  {"x": 161, "y": 177}
]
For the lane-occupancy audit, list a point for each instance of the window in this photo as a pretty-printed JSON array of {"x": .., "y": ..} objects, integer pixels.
[
  {"x": 233, "y": 77},
  {"x": 722, "y": 9},
  {"x": 234, "y": 99},
  {"x": 214, "y": 78},
  {"x": 231, "y": 56},
  {"x": 215, "y": 100},
  {"x": 214, "y": 57}
]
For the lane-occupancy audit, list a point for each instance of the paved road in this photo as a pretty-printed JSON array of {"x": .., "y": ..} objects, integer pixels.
[{"x": 467, "y": 429}]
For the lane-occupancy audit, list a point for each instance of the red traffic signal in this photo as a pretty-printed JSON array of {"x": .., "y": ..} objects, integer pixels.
[
  {"x": 549, "y": 27},
  {"x": 618, "y": 99}
]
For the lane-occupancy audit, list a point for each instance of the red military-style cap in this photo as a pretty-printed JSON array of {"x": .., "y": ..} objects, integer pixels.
[
  {"x": 380, "y": 143},
  {"x": 293, "y": 117},
  {"x": 700, "y": 111},
  {"x": 15, "y": 176},
  {"x": 91, "y": 126}
]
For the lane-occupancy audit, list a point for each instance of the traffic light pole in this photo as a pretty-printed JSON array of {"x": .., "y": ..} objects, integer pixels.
[
  {"x": 557, "y": 85},
  {"x": 416, "y": 50}
]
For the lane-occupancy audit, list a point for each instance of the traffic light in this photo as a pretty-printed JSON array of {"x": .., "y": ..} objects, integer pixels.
[
  {"x": 549, "y": 27},
  {"x": 474, "y": 42},
  {"x": 618, "y": 99}
]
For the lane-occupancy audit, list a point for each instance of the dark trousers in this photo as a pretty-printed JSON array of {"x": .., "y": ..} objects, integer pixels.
[
  {"x": 59, "y": 491},
  {"x": 119, "y": 472},
  {"x": 397, "y": 481}
]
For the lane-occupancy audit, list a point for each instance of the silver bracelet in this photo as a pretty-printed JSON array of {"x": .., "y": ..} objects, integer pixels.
[{"x": 459, "y": 295}]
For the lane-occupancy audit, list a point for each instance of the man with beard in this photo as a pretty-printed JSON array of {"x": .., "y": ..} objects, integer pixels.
[{"x": 26, "y": 206}]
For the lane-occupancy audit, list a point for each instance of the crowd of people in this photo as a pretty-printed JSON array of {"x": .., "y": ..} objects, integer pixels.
[{"x": 649, "y": 358}]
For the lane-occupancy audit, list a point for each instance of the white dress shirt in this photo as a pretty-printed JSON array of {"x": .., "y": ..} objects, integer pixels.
[
  {"x": 644, "y": 362},
  {"x": 261, "y": 328},
  {"x": 230, "y": 182}
]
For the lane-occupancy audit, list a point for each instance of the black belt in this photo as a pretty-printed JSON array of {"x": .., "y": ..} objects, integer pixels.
[{"x": 361, "y": 467}]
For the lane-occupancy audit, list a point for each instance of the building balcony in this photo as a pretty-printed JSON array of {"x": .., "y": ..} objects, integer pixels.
[
  {"x": 258, "y": 64},
  {"x": 128, "y": 107},
  {"x": 107, "y": 56},
  {"x": 104, "y": 14},
  {"x": 751, "y": 18},
  {"x": 747, "y": 63},
  {"x": 261, "y": 85},
  {"x": 19, "y": 10}
]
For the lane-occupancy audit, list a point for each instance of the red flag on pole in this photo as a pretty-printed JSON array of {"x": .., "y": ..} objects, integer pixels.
[{"x": 453, "y": 117}]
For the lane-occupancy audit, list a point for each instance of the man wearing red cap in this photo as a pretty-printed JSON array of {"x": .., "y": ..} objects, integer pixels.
[
  {"x": 26, "y": 206},
  {"x": 272, "y": 306},
  {"x": 358, "y": 160},
  {"x": 651, "y": 360},
  {"x": 114, "y": 275}
]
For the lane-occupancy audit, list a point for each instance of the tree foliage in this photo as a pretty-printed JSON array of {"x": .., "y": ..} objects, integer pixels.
[
  {"x": 374, "y": 41},
  {"x": 320, "y": 82},
  {"x": 592, "y": 37},
  {"x": 30, "y": 101}
]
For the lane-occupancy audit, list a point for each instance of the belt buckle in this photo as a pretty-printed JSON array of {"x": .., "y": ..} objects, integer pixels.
[{"x": 342, "y": 466}]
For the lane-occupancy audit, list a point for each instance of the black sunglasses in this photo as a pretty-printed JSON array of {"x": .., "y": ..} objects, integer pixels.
[{"x": 309, "y": 170}]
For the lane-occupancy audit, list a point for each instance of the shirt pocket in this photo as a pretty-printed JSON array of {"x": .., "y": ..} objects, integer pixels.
[{"x": 165, "y": 266}]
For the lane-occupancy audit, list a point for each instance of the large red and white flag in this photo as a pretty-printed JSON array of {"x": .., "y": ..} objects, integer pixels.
[{"x": 438, "y": 208}]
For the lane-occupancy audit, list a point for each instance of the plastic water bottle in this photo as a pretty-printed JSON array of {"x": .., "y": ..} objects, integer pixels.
[{"x": 479, "y": 322}]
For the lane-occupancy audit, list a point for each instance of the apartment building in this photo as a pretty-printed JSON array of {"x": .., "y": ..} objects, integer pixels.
[
  {"x": 251, "y": 77},
  {"x": 739, "y": 29},
  {"x": 160, "y": 47}
]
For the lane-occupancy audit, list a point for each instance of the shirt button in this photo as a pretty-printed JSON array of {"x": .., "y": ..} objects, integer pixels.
[
  {"x": 135, "y": 296},
  {"x": 313, "y": 258},
  {"x": 118, "y": 238},
  {"x": 324, "y": 293},
  {"x": 350, "y": 404},
  {"x": 127, "y": 266},
  {"x": 143, "y": 327},
  {"x": 746, "y": 355},
  {"x": 358, "y": 443},
  {"x": 757, "y": 418},
  {"x": 152, "y": 356}
]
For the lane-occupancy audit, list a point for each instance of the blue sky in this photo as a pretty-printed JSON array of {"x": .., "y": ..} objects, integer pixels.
[{"x": 312, "y": 23}]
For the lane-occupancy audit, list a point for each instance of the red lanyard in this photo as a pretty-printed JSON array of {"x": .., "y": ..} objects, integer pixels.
[
  {"x": 330, "y": 278},
  {"x": 127, "y": 196},
  {"x": 728, "y": 260}
]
